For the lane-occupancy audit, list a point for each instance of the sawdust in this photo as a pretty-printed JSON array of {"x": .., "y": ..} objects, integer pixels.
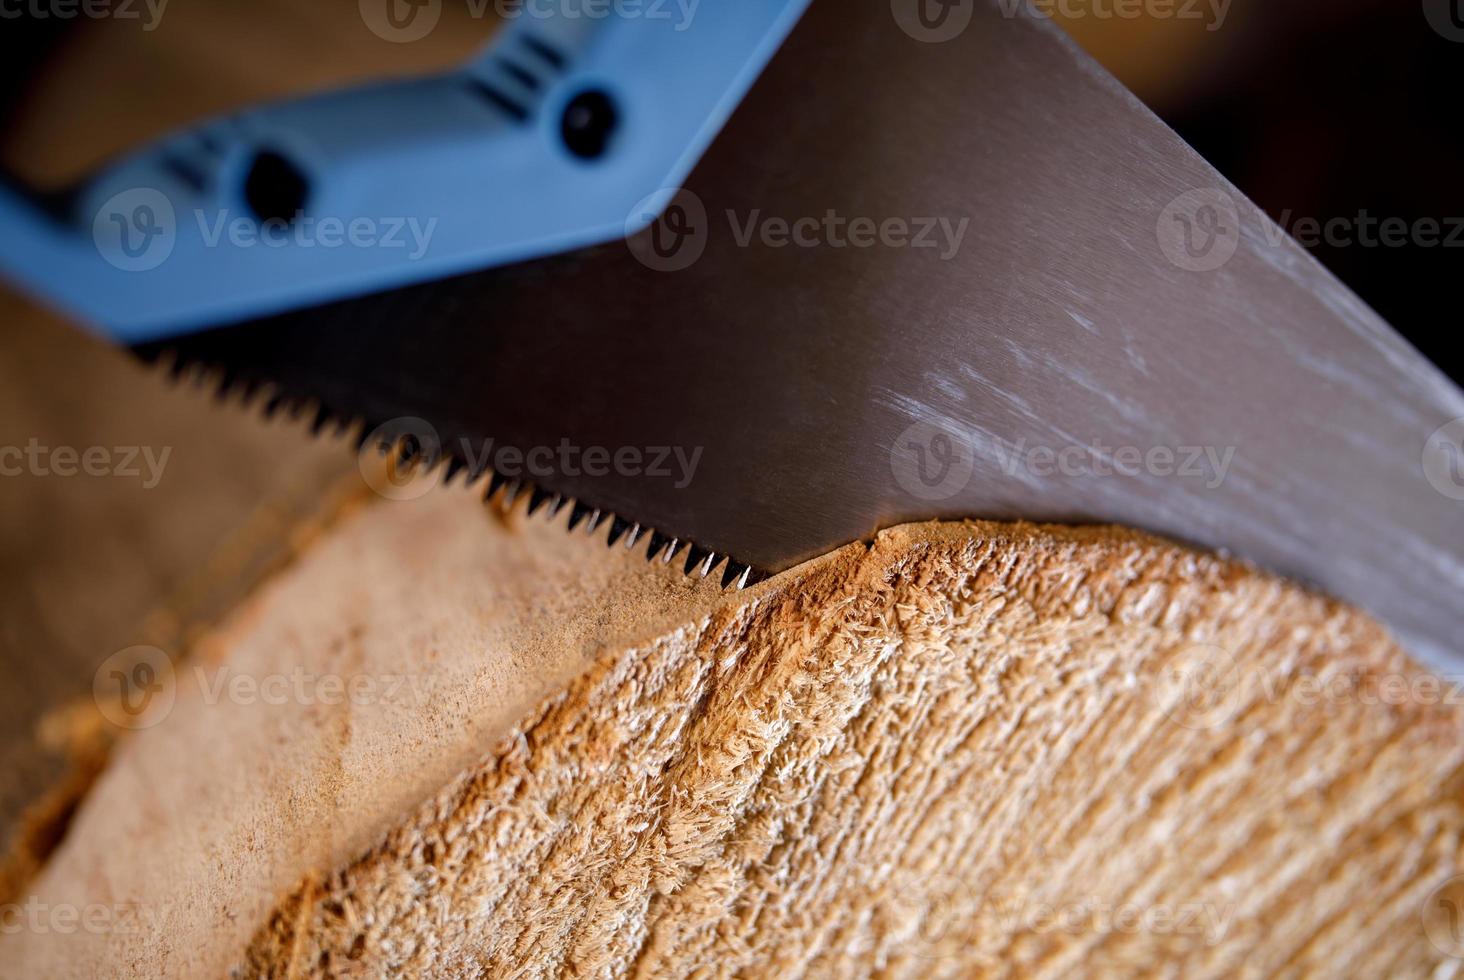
[
  {"x": 955, "y": 754},
  {"x": 963, "y": 750}
]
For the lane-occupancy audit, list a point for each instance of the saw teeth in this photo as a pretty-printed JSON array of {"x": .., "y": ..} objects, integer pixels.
[
  {"x": 362, "y": 441},
  {"x": 322, "y": 418},
  {"x": 538, "y": 498},
  {"x": 411, "y": 455},
  {"x": 657, "y": 544},
  {"x": 249, "y": 390},
  {"x": 696, "y": 556},
  {"x": 275, "y": 403},
  {"x": 633, "y": 536},
  {"x": 579, "y": 512},
  {"x": 204, "y": 376},
  {"x": 225, "y": 386},
  {"x": 619, "y": 526},
  {"x": 735, "y": 572},
  {"x": 510, "y": 488}
]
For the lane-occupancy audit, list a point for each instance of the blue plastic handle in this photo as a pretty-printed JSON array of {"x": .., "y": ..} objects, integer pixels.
[{"x": 565, "y": 132}]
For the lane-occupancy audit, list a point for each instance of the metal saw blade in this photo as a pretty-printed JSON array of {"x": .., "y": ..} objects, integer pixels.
[{"x": 932, "y": 268}]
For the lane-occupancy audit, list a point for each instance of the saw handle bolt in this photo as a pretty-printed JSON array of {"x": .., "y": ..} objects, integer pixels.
[
  {"x": 588, "y": 122},
  {"x": 275, "y": 189}
]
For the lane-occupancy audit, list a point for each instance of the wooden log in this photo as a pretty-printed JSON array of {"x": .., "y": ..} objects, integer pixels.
[{"x": 962, "y": 749}]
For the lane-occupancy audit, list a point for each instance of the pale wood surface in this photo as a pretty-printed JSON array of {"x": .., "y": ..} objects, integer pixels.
[
  {"x": 902, "y": 761},
  {"x": 94, "y": 564}
]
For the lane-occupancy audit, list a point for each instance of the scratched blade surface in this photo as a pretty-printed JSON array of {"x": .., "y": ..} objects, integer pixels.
[{"x": 1117, "y": 335}]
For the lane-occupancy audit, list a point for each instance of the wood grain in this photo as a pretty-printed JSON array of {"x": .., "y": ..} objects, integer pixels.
[{"x": 968, "y": 749}]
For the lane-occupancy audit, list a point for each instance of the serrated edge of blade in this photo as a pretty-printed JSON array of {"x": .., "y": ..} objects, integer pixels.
[{"x": 324, "y": 421}]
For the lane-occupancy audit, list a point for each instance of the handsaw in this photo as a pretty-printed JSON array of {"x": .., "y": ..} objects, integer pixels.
[{"x": 935, "y": 265}]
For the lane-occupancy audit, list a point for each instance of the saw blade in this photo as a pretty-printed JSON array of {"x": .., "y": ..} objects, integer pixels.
[{"x": 934, "y": 267}]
